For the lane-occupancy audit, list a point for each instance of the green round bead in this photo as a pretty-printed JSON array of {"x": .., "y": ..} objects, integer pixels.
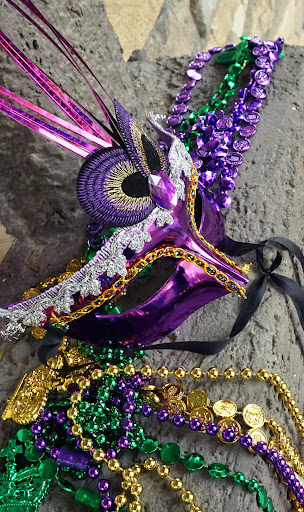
[
  {"x": 235, "y": 69},
  {"x": 239, "y": 478},
  {"x": 149, "y": 445},
  {"x": 217, "y": 470},
  {"x": 170, "y": 453},
  {"x": 269, "y": 507},
  {"x": 194, "y": 461},
  {"x": 47, "y": 469},
  {"x": 262, "y": 497},
  {"x": 253, "y": 485}
]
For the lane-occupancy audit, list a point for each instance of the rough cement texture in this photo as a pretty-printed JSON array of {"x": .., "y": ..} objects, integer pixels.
[{"x": 40, "y": 212}]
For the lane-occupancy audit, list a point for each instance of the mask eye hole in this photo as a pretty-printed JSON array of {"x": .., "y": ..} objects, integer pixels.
[
  {"x": 135, "y": 185},
  {"x": 198, "y": 210}
]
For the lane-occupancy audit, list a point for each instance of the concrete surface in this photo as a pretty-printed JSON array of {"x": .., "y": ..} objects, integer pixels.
[{"x": 39, "y": 210}]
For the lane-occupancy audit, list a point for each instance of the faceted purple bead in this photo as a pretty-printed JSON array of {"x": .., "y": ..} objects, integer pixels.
[
  {"x": 205, "y": 56},
  {"x": 162, "y": 415},
  {"x": 215, "y": 49},
  {"x": 211, "y": 119},
  {"x": 235, "y": 159},
  {"x": 194, "y": 75},
  {"x": 228, "y": 435},
  {"x": 196, "y": 64},
  {"x": 46, "y": 415},
  {"x": 36, "y": 428},
  {"x": 222, "y": 199},
  {"x": 212, "y": 429},
  {"x": 248, "y": 130},
  {"x": 218, "y": 113},
  {"x": 259, "y": 50},
  {"x": 257, "y": 91},
  {"x": 252, "y": 117},
  {"x": 183, "y": 97},
  {"x": 93, "y": 472},
  {"x": 261, "y": 77},
  {"x": 195, "y": 424},
  {"x": 54, "y": 452},
  {"x": 61, "y": 417},
  {"x": 40, "y": 443},
  {"x": 227, "y": 183},
  {"x": 274, "y": 56},
  {"x": 178, "y": 420},
  {"x": 147, "y": 410},
  {"x": 128, "y": 424},
  {"x": 123, "y": 442},
  {"x": 227, "y": 138},
  {"x": 241, "y": 145},
  {"x": 103, "y": 485},
  {"x": 255, "y": 105},
  {"x": 129, "y": 407},
  {"x": 246, "y": 441},
  {"x": 174, "y": 120},
  {"x": 200, "y": 122},
  {"x": 189, "y": 85},
  {"x": 107, "y": 502},
  {"x": 182, "y": 108},
  {"x": 69, "y": 431},
  {"x": 212, "y": 144},
  {"x": 197, "y": 161},
  {"x": 129, "y": 393},
  {"x": 262, "y": 62},
  {"x": 162, "y": 189},
  {"x": 207, "y": 178}
]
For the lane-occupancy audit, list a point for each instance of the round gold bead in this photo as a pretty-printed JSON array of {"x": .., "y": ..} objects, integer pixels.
[
  {"x": 163, "y": 471},
  {"x": 246, "y": 374},
  {"x": 31, "y": 292},
  {"x": 97, "y": 374},
  {"x": 272, "y": 423},
  {"x": 61, "y": 388},
  {"x": 75, "y": 398},
  {"x": 86, "y": 444},
  {"x": 83, "y": 383},
  {"x": 180, "y": 373},
  {"x": 196, "y": 373},
  {"x": 275, "y": 379},
  {"x": 136, "y": 489},
  {"x": 146, "y": 371},
  {"x": 113, "y": 465},
  {"x": 120, "y": 500},
  {"x": 129, "y": 369},
  {"x": 76, "y": 430},
  {"x": 137, "y": 469},
  {"x": 98, "y": 455},
  {"x": 113, "y": 370},
  {"x": 287, "y": 397},
  {"x": 194, "y": 508},
  {"x": 282, "y": 388},
  {"x": 126, "y": 484},
  {"x": 72, "y": 413},
  {"x": 128, "y": 474},
  {"x": 213, "y": 373},
  {"x": 263, "y": 375},
  {"x": 163, "y": 372},
  {"x": 149, "y": 464},
  {"x": 301, "y": 426},
  {"x": 299, "y": 418},
  {"x": 229, "y": 374},
  {"x": 176, "y": 484},
  {"x": 135, "y": 506},
  {"x": 187, "y": 497}
]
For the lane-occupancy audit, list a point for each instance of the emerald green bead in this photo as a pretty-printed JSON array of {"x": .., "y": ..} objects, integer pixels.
[
  {"x": 32, "y": 454},
  {"x": 281, "y": 54},
  {"x": 194, "y": 461},
  {"x": 229, "y": 93},
  {"x": 24, "y": 435},
  {"x": 203, "y": 110},
  {"x": 235, "y": 69},
  {"x": 269, "y": 507},
  {"x": 230, "y": 81},
  {"x": 226, "y": 57},
  {"x": 243, "y": 45},
  {"x": 47, "y": 469},
  {"x": 149, "y": 445},
  {"x": 253, "y": 485},
  {"x": 262, "y": 497},
  {"x": 170, "y": 453},
  {"x": 183, "y": 126},
  {"x": 218, "y": 470},
  {"x": 192, "y": 118},
  {"x": 239, "y": 478},
  {"x": 89, "y": 255},
  {"x": 245, "y": 38},
  {"x": 88, "y": 498}
]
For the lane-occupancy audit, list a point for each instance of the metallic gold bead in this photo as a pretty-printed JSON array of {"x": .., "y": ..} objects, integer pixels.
[
  {"x": 97, "y": 374},
  {"x": 38, "y": 333},
  {"x": 275, "y": 379},
  {"x": 83, "y": 383},
  {"x": 113, "y": 465},
  {"x": 126, "y": 484},
  {"x": 136, "y": 489},
  {"x": 213, "y": 373},
  {"x": 281, "y": 430},
  {"x": 120, "y": 500},
  {"x": 163, "y": 372},
  {"x": 246, "y": 374},
  {"x": 229, "y": 374},
  {"x": 163, "y": 471},
  {"x": 187, "y": 497},
  {"x": 146, "y": 371},
  {"x": 282, "y": 388},
  {"x": 61, "y": 388},
  {"x": 76, "y": 430},
  {"x": 176, "y": 484},
  {"x": 196, "y": 373},
  {"x": 295, "y": 411},
  {"x": 272, "y": 423},
  {"x": 263, "y": 375},
  {"x": 194, "y": 508},
  {"x": 135, "y": 506},
  {"x": 149, "y": 464},
  {"x": 137, "y": 469},
  {"x": 129, "y": 369},
  {"x": 75, "y": 398},
  {"x": 287, "y": 397},
  {"x": 128, "y": 474},
  {"x": 299, "y": 418},
  {"x": 180, "y": 373},
  {"x": 113, "y": 370},
  {"x": 301, "y": 426},
  {"x": 86, "y": 444},
  {"x": 31, "y": 292},
  {"x": 98, "y": 455},
  {"x": 72, "y": 413}
]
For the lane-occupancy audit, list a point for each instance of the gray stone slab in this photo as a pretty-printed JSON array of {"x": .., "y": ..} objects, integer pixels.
[{"x": 40, "y": 211}]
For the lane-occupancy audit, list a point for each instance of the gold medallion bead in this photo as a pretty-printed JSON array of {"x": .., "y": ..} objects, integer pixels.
[
  {"x": 163, "y": 471},
  {"x": 136, "y": 489},
  {"x": 114, "y": 465},
  {"x": 38, "y": 333},
  {"x": 196, "y": 373},
  {"x": 135, "y": 506},
  {"x": 263, "y": 375},
  {"x": 113, "y": 370},
  {"x": 72, "y": 413},
  {"x": 97, "y": 374},
  {"x": 187, "y": 497},
  {"x": 213, "y": 373},
  {"x": 146, "y": 371},
  {"x": 180, "y": 373},
  {"x": 150, "y": 464},
  {"x": 129, "y": 369},
  {"x": 229, "y": 374},
  {"x": 98, "y": 455},
  {"x": 246, "y": 374},
  {"x": 176, "y": 484},
  {"x": 76, "y": 430},
  {"x": 163, "y": 372},
  {"x": 120, "y": 500},
  {"x": 275, "y": 379},
  {"x": 86, "y": 444}
]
